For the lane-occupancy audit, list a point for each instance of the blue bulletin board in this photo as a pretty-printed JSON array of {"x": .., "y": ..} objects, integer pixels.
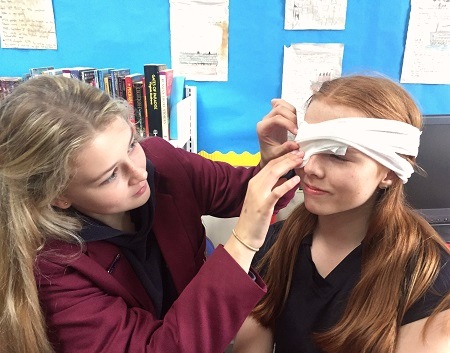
[{"x": 132, "y": 33}]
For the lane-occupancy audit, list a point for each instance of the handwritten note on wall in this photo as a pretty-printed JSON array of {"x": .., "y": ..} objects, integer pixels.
[
  {"x": 427, "y": 50},
  {"x": 27, "y": 24}
]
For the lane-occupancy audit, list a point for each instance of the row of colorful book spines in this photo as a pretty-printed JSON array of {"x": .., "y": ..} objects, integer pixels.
[
  {"x": 100, "y": 78},
  {"x": 117, "y": 83},
  {"x": 7, "y": 84},
  {"x": 93, "y": 76},
  {"x": 103, "y": 78},
  {"x": 135, "y": 97}
]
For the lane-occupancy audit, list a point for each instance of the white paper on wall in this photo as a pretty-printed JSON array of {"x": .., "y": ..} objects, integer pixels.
[
  {"x": 314, "y": 14},
  {"x": 427, "y": 50},
  {"x": 199, "y": 39},
  {"x": 305, "y": 67},
  {"x": 27, "y": 24}
]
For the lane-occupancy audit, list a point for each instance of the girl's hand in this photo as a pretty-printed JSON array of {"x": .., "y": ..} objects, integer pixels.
[
  {"x": 264, "y": 191},
  {"x": 273, "y": 131}
]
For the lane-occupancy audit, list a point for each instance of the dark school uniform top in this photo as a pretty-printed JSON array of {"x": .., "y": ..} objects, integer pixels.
[{"x": 315, "y": 304}]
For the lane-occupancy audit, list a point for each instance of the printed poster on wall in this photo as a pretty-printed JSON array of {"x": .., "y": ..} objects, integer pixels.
[{"x": 199, "y": 39}]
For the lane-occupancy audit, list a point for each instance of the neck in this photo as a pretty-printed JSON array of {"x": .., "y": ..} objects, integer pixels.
[
  {"x": 346, "y": 229},
  {"x": 125, "y": 223},
  {"x": 120, "y": 221},
  {"x": 334, "y": 238}
]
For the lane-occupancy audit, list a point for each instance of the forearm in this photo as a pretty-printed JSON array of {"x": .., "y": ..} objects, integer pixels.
[
  {"x": 253, "y": 338},
  {"x": 435, "y": 339}
]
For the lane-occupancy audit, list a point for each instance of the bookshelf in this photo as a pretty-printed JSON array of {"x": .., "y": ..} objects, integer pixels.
[
  {"x": 186, "y": 121},
  {"x": 255, "y": 55}
]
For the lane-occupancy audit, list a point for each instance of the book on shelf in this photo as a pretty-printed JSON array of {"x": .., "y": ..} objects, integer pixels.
[
  {"x": 177, "y": 94},
  {"x": 36, "y": 71},
  {"x": 129, "y": 80},
  {"x": 107, "y": 83},
  {"x": 115, "y": 73},
  {"x": 121, "y": 87},
  {"x": 7, "y": 84},
  {"x": 53, "y": 72},
  {"x": 153, "y": 97},
  {"x": 169, "y": 81},
  {"x": 139, "y": 107},
  {"x": 101, "y": 73},
  {"x": 89, "y": 76},
  {"x": 75, "y": 72},
  {"x": 165, "y": 87},
  {"x": 145, "y": 111}
]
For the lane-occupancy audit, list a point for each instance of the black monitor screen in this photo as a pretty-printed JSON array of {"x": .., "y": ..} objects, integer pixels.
[{"x": 430, "y": 194}]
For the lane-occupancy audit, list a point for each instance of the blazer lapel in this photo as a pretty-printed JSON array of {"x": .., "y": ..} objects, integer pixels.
[{"x": 122, "y": 280}]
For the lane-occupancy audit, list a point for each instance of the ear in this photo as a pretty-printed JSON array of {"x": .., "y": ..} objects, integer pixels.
[
  {"x": 387, "y": 180},
  {"x": 61, "y": 203}
]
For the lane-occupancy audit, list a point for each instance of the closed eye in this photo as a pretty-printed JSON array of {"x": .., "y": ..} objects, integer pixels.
[{"x": 338, "y": 157}]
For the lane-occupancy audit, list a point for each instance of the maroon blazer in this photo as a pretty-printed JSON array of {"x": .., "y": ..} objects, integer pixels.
[{"x": 90, "y": 310}]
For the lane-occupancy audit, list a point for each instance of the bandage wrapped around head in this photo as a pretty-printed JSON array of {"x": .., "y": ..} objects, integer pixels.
[{"x": 381, "y": 139}]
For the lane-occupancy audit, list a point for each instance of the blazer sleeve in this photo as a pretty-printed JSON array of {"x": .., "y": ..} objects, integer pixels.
[
  {"x": 88, "y": 312},
  {"x": 219, "y": 188}
]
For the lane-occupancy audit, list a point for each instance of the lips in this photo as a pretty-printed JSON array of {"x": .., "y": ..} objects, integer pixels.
[
  {"x": 141, "y": 190},
  {"x": 312, "y": 188}
]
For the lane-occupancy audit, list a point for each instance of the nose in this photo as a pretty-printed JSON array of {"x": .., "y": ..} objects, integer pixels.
[
  {"x": 314, "y": 166},
  {"x": 137, "y": 174}
]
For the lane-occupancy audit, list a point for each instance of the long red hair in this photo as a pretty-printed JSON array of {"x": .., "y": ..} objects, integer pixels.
[{"x": 401, "y": 251}]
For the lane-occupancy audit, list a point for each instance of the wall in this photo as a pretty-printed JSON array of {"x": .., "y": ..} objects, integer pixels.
[{"x": 131, "y": 33}]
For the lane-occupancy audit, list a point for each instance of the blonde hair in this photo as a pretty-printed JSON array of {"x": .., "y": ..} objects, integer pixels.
[
  {"x": 401, "y": 251},
  {"x": 44, "y": 123}
]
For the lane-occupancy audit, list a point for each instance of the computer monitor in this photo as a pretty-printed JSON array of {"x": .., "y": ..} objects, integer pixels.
[{"x": 430, "y": 195}]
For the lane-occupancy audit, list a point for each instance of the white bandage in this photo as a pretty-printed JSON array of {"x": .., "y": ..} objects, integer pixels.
[{"x": 381, "y": 139}]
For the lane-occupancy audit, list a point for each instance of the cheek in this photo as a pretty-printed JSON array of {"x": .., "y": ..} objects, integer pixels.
[
  {"x": 138, "y": 156},
  {"x": 100, "y": 201},
  {"x": 363, "y": 184}
]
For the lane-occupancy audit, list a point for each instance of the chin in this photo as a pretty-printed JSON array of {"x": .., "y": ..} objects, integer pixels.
[
  {"x": 146, "y": 196},
  {"x": 319, "y": 210},
  {"x": 143, "y": 199}
]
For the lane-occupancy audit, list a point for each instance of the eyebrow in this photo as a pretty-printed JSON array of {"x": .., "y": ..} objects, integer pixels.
[{"x": 101, "y": 176}]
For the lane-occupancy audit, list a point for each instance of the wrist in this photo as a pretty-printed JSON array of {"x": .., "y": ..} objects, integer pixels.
[
  {"x": 241, "y": 254},
  {"x": 248, "y": 246}
]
